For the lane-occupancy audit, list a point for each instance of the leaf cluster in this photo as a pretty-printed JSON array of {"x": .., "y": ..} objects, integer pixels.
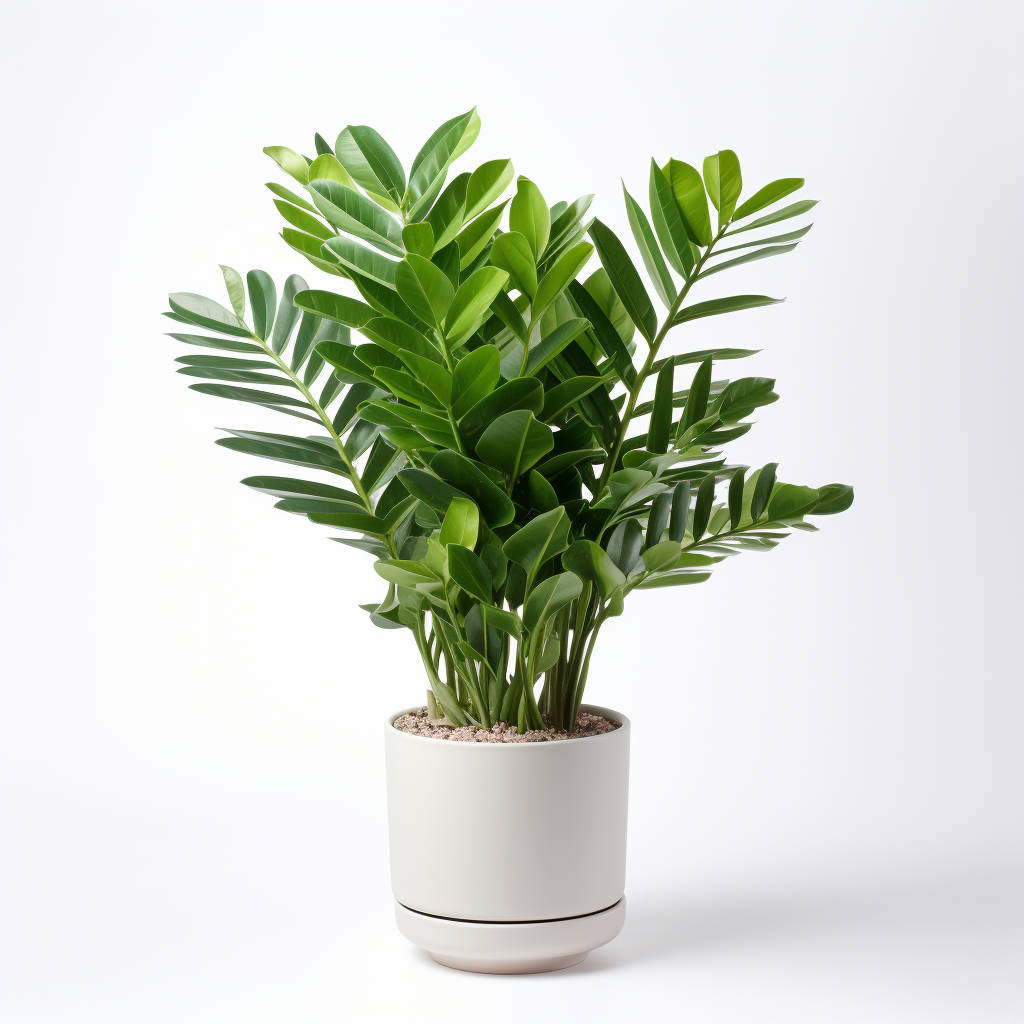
[{"x": 495, "y": 423}]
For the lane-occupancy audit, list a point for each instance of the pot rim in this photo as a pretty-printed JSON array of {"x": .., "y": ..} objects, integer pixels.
[{"x": 609, "y": 713}]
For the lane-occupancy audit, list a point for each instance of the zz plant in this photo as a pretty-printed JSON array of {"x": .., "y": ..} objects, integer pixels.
[{"x": 483, "y": 408}]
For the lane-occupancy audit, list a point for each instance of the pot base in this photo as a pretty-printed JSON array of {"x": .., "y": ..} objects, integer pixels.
[{"x": 510, "y": 947}]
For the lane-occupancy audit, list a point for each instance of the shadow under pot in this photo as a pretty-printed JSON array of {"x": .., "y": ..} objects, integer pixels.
[{"x": 508, "y": 858}]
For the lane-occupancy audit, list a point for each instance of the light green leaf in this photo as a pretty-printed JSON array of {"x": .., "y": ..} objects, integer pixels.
[
  {"x": 649, "y": 251},
  {"x": 661, "y": 557},
  {"x": 473, "y": 239},
  {"x": 513, "y": 253},
  {"x": 763, "y": 197},
  {"x": 419, "y": 239},
  {"x": 204, "y": 312},
  {"x": 328, "y": 168},
  {"x": 363, "y": 261},
  {"x": 471, "y": 303},
  {"x": 371, "y": 161},
  {"x": 461, "y": 523},
  {"x": 486, "y": 183},
  {"x": 757, "y": 254},
  {"x": 564, "y": 270},
  {"x": 289, "y": 161},
  {"x": 688, "y": 189},
  {"x": 773, "y": 218},
  {"x": 724, "y": 182},
  {"x": 475, "y": 376},
  {"x": 788, "y": 501},
  {"x": 668, "y": 224},
  {"x": 551, "y": 345},
  {"x": 352, "y": 212},
  {"x": 236, "y": 289},
  {"x": 431, "y": 163},
  {"x": 529, "y": 215},
  {"x": 549, "y": 597},
  {"x": 424, "y": 288}
]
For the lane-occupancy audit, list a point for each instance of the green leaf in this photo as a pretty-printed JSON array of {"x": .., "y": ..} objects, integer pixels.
[
  {"x": 661, "y": 415},
  {"x": 371, "y": 161},
  {"x": 832, "y": 498},
  {"x": 352, "y": 212},
  {"x": 470, "y": 572},
  {"x": 404, "y": 572},
  {"x": 424, "y": 288},
  {"x": 469, "y": 477},
  {"x": 625, "y": 544},
  {"x": 541, "y": 539},
  {"x": 247, "y": 395},
  {"x": 473, "y": 238},
  {"x": 514, "y": 442},
  {"x": 736, "y": 497},
  {"x": 680, "y": 511},
  {"x": 625, "y": 279},
  {"x": 520, "y": 393},
  {"x": 419, "y": 239},
  {"x": 354, "y": 256},
  {"x": 661, "y": 557},
  {"x": 795, "y": 210},
  {"x": 461, "y": 524},
  {"x": 431, "y": 163},
  {"x": 549, "y": 597},
  {"x": 569, "y": 392},
  {"x": 486, "y": 183},
  {"x": 608, "y": 338},
  {"x": 471, "y": 303},
  {"x": 338, "y": 308},
  {"x": 302, "y": 220},
  {"x": 263, "y": 299},
  {"x": 549, "y": 347},
  {"x": 762, "y": 490},
  {"x": 730, "y": 304},
  {"x": 771, "y": 193},
  {"x": 512, "y": 253},
  {"x": 668, "y": 224},
  {"x": 448, "y": 214},
  {"x": 657, "y": 271},
  {"x": 296, "y": 451},
  {"x": 312, "y": 249},
  {"x": 553, "y": 283},
  {"x": 742, "y": 397},
  {"x": 203, "y": 312},
  {"x": 399, "y": 338},
  {"x": 529, "y": 215},
  {"x": 724, "y": 182},
  {"x": 702, "y": 510},
  {"x": 591, "y": 562},
  {"x": 285, "y": 193},
  {"x": 289, "y": 161},
  {"x": 758, "y": 254},
  {"x": 474, "y": 378},
  {"x": 673, "y": 579},
  {"x": 688, "y": 189},
  {"x": 289, "y": 487},
  {"x": 287, "y": 313},
  {"x": 236, "y": 290},
  {"x": 697, "y": 400},
  {"x": 658, "y": 518},
  {"x": 788, "y": 501},
  {"x": 327, "y": 167}
]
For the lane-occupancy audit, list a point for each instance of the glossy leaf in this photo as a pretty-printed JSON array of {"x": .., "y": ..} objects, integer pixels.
[
  {"x": 625, "y": 279},
  {"x": 657, "y": 271},
  {"x": 461, "y": 524},
  {"x": 514, "y": 442},
  {"x": 424, "y": 288},
  {"x": 724, "y": 182},
  {"x": 688, "y": 189},
  {"x": 763, "y": 197},
  {"x": 371, "y": 161},
  {"x": 529, "y": 215}
]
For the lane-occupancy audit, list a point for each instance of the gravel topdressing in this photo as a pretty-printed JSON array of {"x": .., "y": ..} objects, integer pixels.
[{"x": 419, "y": 724}]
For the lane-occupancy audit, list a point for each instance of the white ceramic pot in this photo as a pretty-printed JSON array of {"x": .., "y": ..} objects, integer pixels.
[{"x": 508, "y": 857}]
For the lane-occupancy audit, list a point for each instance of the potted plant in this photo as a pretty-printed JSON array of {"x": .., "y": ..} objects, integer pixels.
[{"x": 520, "y": 442}]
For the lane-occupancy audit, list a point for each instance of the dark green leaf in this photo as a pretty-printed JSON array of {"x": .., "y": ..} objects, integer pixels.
[
  {"x": 730, "y": 304},
  {"x": 680, "y": 511},
  {"x": 542, "y": 538},
  {"x": 469, "y": 572},
  {"x": 625, "y": 279},
  {"x": 514, "y": 442},
  {"x": 591, "y": 562},
  {"x": 661, "y": 415},
  {"x": 736, "y": 497},
  {"x": 549, "y": 597},
  {"x": 702, "y": 510},
  {"x": 762, "y": 490}
]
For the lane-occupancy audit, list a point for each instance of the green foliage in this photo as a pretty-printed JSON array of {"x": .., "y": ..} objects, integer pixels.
[{"x": 478, "y": 413}]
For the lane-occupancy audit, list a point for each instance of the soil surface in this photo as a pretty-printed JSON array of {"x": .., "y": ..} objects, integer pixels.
[{"x": 417, "y": 723}]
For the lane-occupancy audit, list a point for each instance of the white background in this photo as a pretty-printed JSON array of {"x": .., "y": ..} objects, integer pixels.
[{"x": 826, "y": 808}]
